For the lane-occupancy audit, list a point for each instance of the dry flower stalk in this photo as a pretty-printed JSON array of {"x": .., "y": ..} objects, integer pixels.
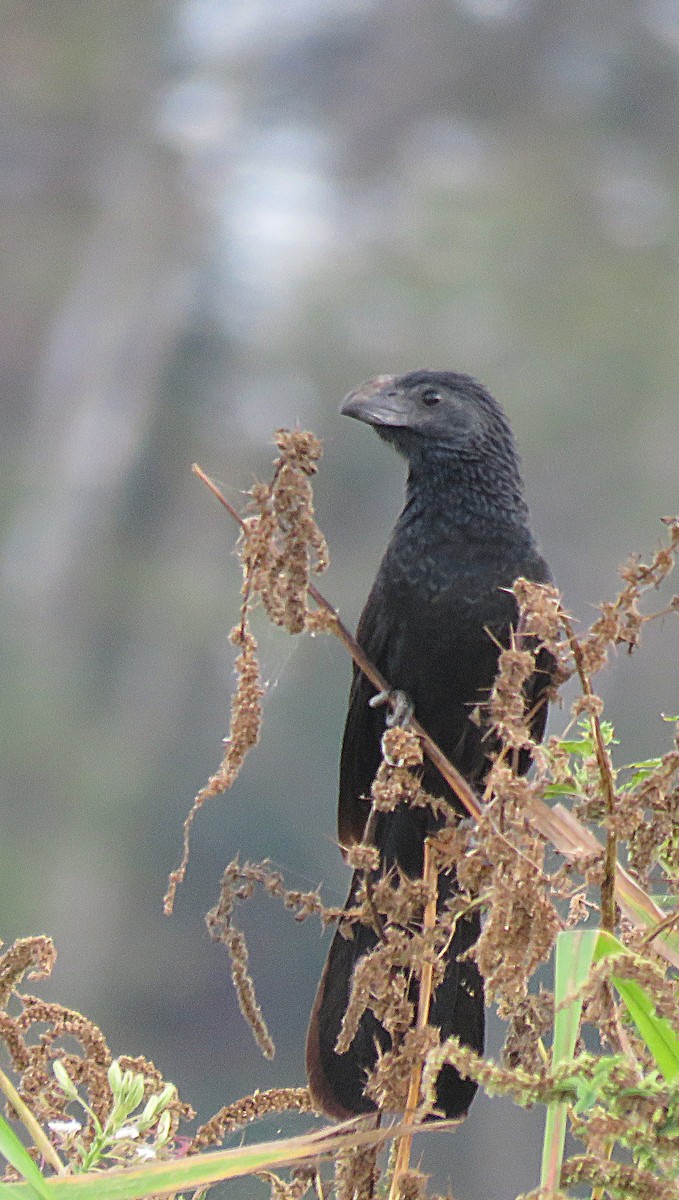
[
  {"x": 294, "y": 1189},
  {"x": 412, "y": 1185},
  {"x": 619, "y": 1180},
  {"x": 219, "y": 921},
  {"x": 282, "y": 543},
  {"x": 235, "y": 1116},
  {"x": 33, "y": 955},
  {"x": 246, "y": 719},
  {"x": 280, "y": 546},
  {"x": 239, "y": 881}
]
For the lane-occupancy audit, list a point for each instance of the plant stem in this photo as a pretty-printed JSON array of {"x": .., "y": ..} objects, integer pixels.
[
  {"x": 424, "y": 1001},
  {"x": 40, "y": 1139},
  {"x": 608, "y": 913}
]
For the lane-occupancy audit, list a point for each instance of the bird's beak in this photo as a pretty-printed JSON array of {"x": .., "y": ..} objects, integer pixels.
[{"x": 377, "y": 402}]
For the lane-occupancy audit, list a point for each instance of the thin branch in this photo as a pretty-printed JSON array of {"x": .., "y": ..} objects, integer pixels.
[
  {"x": 424, "y": 1002},
  {"x": 608, "y": 921},
  {"x": 40, "y": 1139},
  {"x": 667, "y": 922}
]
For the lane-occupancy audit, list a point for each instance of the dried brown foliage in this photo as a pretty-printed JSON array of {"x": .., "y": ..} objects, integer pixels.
[
  {"x": 412, "y": 1185},
  {"x": 280, "y": 546},
  {"x": 381, "y": 984},
  {"x": 236, "y": 1115},
  {"x": 528, "y": 1020},
  {"x": 507, "y": 703},
  {"x": 238, "y": 883},
  {"x": 522, "y": 921},
  {"x": 219, "y": 921},
  {"x": 389, "y": 1081},
  {"x": 504, "y": 863},
  {"x": 650, "y": 818},
  {"x": 294, "y": 1189},
  {"x": 246, "y": 719},
  {"x": 282, "y": 543},
  {"x": 34, "y": 956},
  {"x": 356, "y": 1174}
]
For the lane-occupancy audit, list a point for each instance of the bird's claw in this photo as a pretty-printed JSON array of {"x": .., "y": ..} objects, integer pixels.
[{"x": 401, "y": 706}]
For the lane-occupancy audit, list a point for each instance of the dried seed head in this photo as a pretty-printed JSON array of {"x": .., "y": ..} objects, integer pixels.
[
  {"x": 401, "y": 747},
  {"x": 250, "y": 1108},
  {"x": 541, "y": 614},
  {"x": 508, "y": 711}
]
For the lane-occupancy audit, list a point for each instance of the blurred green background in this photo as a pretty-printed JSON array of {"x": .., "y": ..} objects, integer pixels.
[{"x": 217, "y": 216}]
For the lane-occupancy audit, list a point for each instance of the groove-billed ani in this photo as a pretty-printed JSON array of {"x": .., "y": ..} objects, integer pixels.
[{"x": 437, "y": 612}]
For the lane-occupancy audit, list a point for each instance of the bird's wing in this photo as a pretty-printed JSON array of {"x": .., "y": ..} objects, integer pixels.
[{"x": 442, "y": 655}]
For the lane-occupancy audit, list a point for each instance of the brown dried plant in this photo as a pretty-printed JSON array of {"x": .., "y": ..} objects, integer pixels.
[
  {"x": 240, "y": 1113},
  {"x": 505, "y": 863},
  {"x": 280, "y": 546},
  {"x": 282, "y": 543}
]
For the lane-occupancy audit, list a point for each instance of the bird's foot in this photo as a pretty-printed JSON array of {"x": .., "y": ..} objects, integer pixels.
[{"x": 401, "y": 706}]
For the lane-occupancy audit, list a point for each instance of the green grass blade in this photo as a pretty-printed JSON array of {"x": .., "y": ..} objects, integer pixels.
[
  {"x": 573, "y": 962},
  {"x": 16, "y": 1154},
  {"x": 657, "y": 1032}
]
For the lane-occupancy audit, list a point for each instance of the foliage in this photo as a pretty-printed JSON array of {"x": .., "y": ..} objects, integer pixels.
[{"x": 612, "y": 1076}]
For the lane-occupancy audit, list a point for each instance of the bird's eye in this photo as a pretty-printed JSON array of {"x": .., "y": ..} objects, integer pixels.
[{"x": 430, "y": 397}]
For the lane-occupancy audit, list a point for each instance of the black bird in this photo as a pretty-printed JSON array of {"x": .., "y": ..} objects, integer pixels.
[{"x": 432, "y": 624}]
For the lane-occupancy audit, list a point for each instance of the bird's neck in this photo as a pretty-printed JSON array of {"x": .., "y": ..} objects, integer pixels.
[
  {"x": 454, "y": 529},
  {"x": 465, "y": 496}
]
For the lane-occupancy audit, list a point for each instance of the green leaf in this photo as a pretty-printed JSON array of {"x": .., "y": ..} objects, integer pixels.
[
  {"x": 641, "y": 771},
  {"x": 583, "y": 746},
  {"x": 657, "y": 1032},
  {"x": 645, "y": 764},
  {"x": 576, "y": 951},
  {"x": 560, "y": 789},
  {"x": 16, "y": 1154}
]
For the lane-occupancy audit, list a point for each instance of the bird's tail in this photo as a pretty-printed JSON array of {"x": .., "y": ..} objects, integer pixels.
[{"x": 337, "y": 1081}]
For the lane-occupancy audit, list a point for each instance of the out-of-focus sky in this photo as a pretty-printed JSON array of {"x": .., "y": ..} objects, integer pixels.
[{"x": 216, "y": 217}]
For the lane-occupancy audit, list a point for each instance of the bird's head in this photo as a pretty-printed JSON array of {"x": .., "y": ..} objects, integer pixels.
[
  {"x": 457, "y": 442},
  {"x": 431, "y": 415}
]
